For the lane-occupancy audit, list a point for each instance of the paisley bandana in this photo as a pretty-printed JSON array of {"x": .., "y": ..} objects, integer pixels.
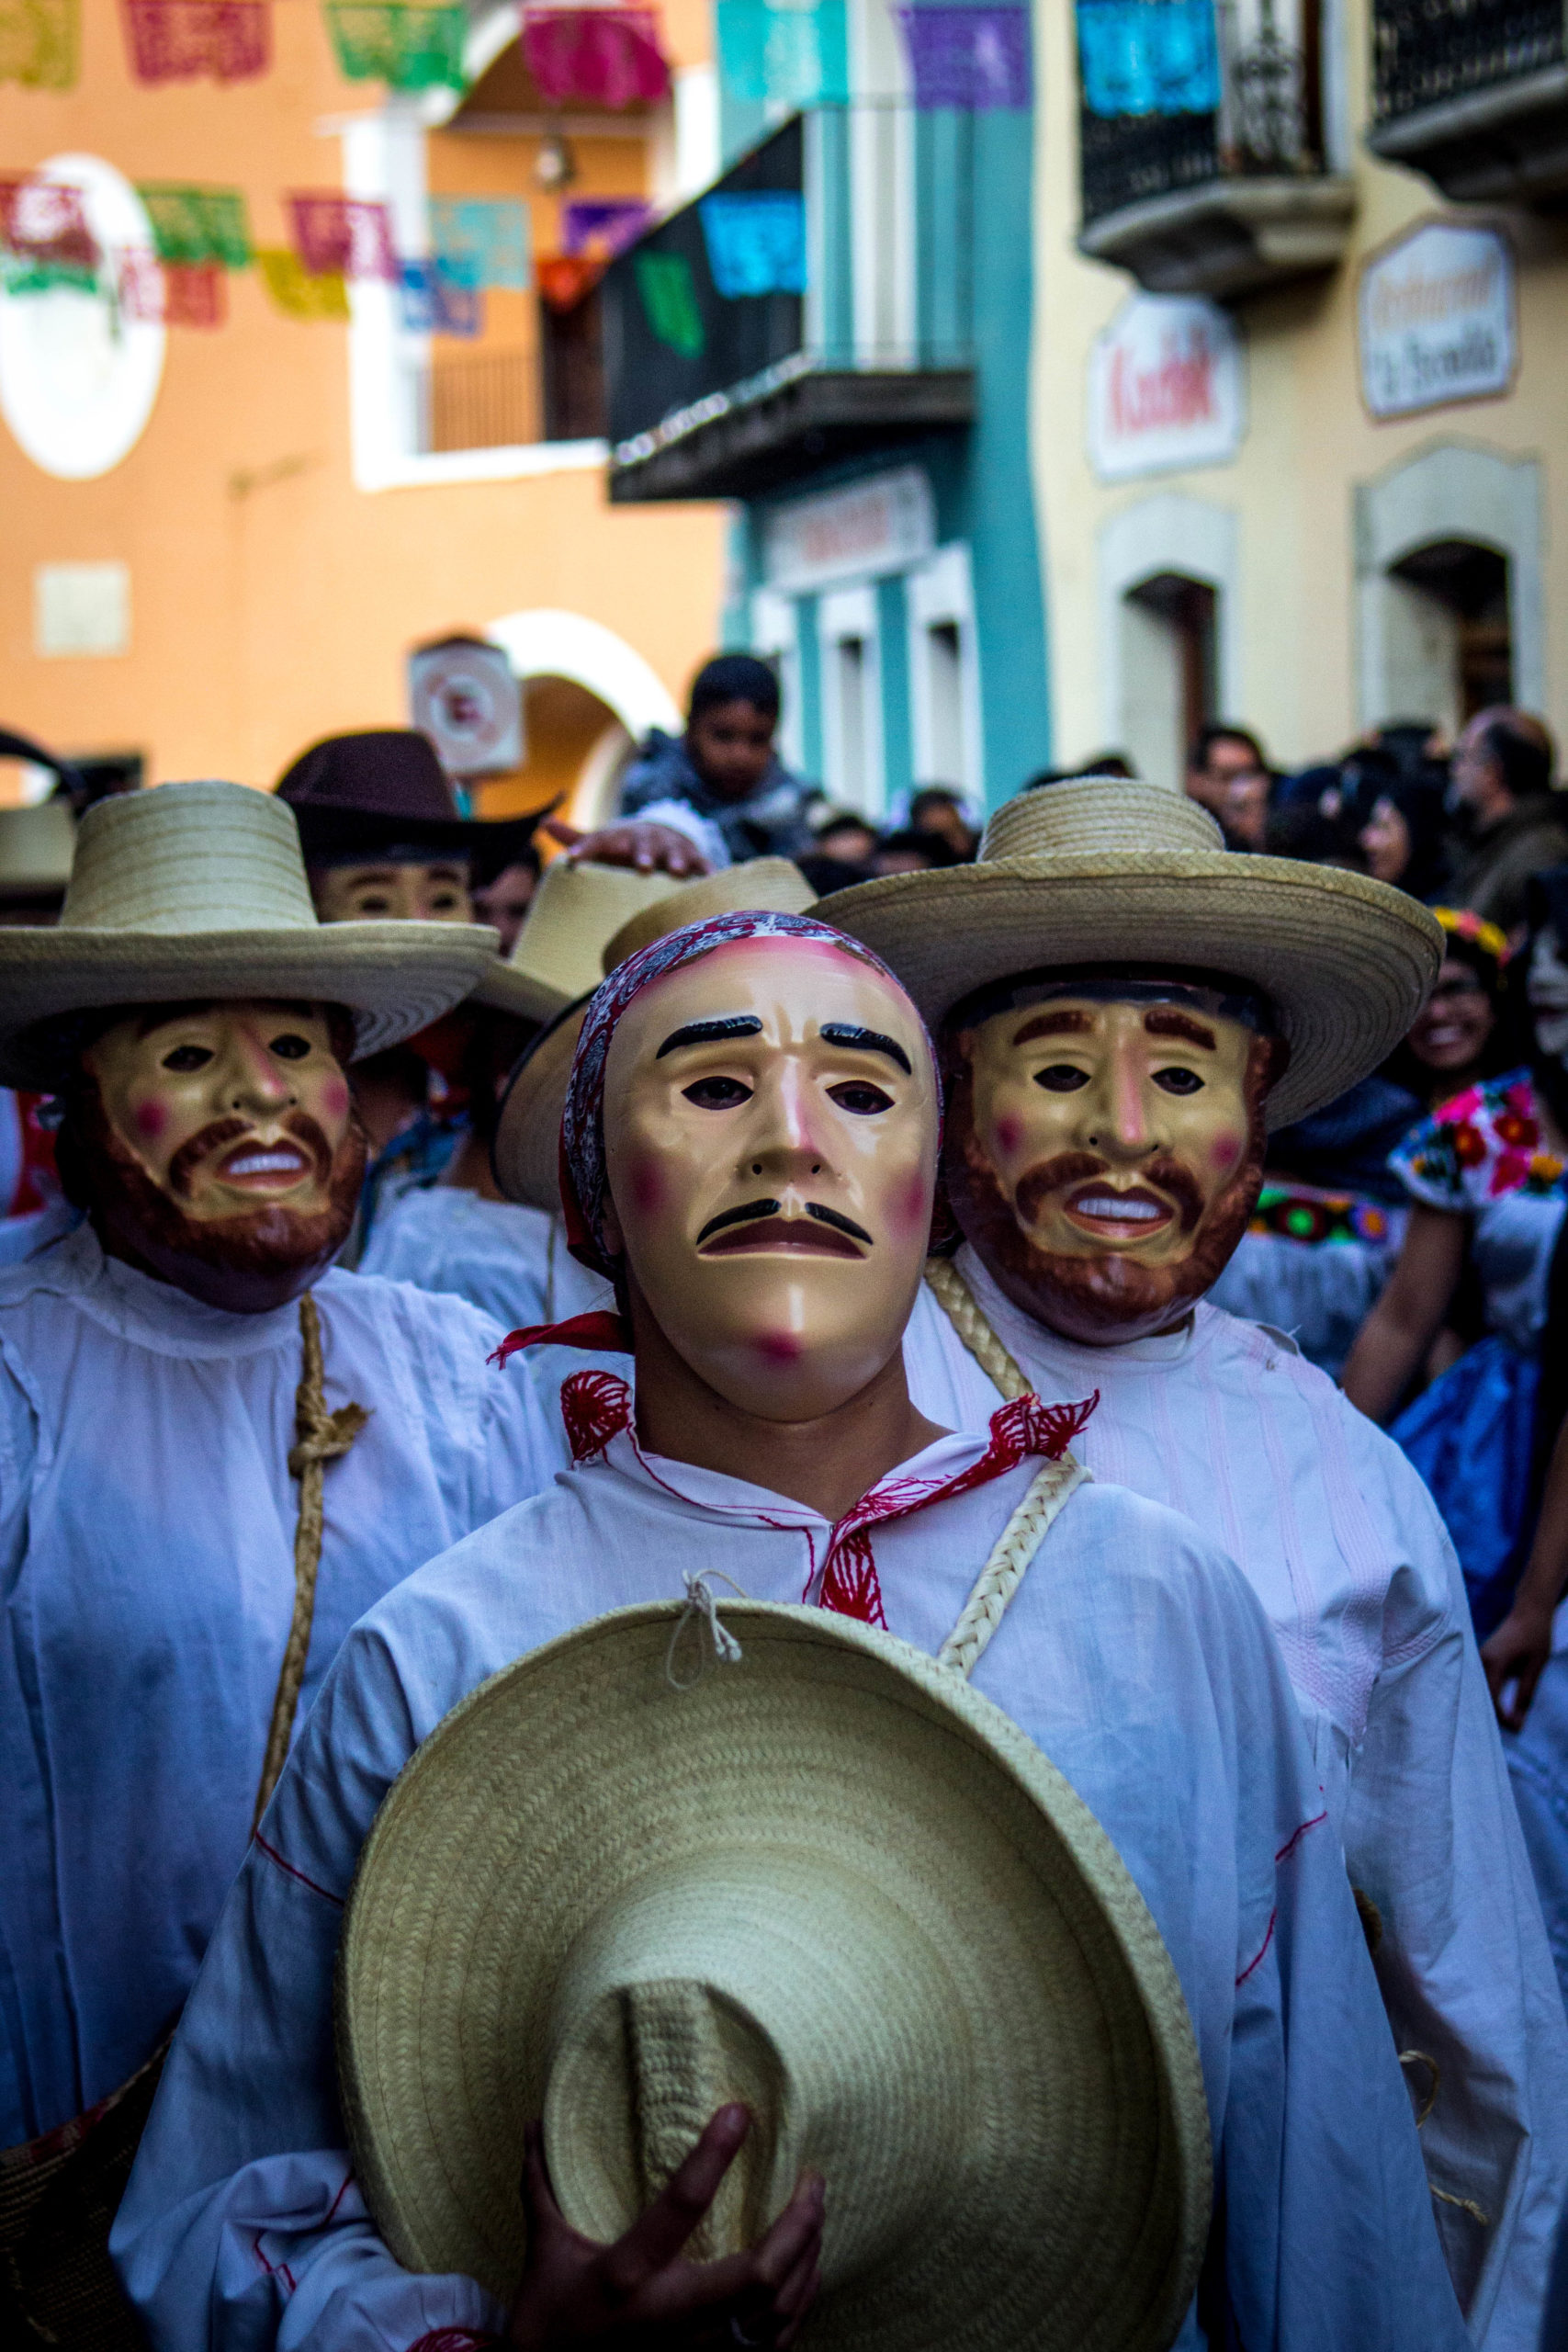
[{"x": 584, "y": 1185}]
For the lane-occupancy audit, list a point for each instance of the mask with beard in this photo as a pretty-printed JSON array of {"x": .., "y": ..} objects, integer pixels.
[
  {"x": 215, "y": 1146},
  {"x": 1105, "y": 1144}
]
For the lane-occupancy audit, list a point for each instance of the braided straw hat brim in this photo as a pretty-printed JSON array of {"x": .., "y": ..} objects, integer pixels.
[
  {"x": 837, "y": 1820},
  {"x": 526, "y": 1151},
  {"x": 395, "y": 977},
  {"x": 1346, "y": 962},
  {"x": 527, "y": 1141}
]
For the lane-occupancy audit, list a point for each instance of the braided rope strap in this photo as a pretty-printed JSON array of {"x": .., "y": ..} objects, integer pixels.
[
  {"x": 964, "y": 1311},
  {"x": 1020, "y": 1538},
  {"x": 1049, "y": 1490},
  {"x": 320, "y": 1438}
]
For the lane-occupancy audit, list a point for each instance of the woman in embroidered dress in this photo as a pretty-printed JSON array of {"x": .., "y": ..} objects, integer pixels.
[
  {"x": 1484, "y": 1175},
  {"x": 1330, "y": 1220}
]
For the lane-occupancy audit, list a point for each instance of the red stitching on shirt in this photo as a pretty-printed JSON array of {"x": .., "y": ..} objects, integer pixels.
[
  {"x": 279, "y": 2270},
  {"x": 454, "y": 2339},
  {"x": 1261, "y": 1949},
  {"x": 1290, "y": 1843},
  {"x": 273, "y": 1856},
  {"x": 595, "y": 1406},
  {"x": 337, "y": 2200}
]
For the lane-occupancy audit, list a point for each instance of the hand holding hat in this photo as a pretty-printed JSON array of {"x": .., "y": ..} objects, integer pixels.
[{"x": 643, "y": 2285}]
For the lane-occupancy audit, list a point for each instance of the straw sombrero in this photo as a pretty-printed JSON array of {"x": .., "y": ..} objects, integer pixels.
[
  {"x": 35, "y": 848},
  {"x": 556, "y": 956},
  {"x": 200, "y": 891},
  {"x": 829, "y": 1880},
  {"x": 1107, "y": 869},
  {"x": 528, "y": 1137}
]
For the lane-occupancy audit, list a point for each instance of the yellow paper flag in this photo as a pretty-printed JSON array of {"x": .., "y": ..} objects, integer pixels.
[{"x": 298, "y": 293}]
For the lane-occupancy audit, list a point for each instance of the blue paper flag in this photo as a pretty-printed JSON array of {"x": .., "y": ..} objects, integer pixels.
[
  {"x": 1143, "y": 57},
  {"x": 756, "y": 243},
  {"x": 785, "y": 53}
]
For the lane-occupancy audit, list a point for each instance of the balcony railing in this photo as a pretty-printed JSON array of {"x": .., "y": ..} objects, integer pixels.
[
  {"x": 1202, "y": 157},
  {"x": 1475, "y": 94},
  {"x": 816, "y": 300}
]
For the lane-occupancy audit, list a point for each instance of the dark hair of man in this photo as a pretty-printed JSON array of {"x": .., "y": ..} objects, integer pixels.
[
  {"x": 1220, "y": 730},
  {"x": 1523, "y": 761},
  {"x": 734, "y": 678}
]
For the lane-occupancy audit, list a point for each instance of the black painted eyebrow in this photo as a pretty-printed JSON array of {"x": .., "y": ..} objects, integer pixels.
[
  {"x": 865, "y": 1041},
  {"x": 710, "y": 1032}
]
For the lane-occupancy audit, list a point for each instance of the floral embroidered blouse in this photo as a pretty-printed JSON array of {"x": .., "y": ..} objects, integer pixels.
[{"x": 1483, "y": 1155}]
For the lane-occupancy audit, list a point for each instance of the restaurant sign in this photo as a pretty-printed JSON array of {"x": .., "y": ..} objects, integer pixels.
[{"x": 1435, "y": 320}]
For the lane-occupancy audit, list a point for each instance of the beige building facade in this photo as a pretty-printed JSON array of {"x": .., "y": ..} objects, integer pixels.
[{"x": 1298, "y": 426}]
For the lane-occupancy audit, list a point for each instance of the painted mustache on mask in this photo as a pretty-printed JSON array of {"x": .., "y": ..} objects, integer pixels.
[
  {"x": 758, "y": 1209},
  {"x": 1164, "y": 1172},
  {"x": 211, "y": 1140}
]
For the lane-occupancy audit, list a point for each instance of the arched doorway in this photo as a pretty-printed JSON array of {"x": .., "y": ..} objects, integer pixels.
[
  {"x": 588, "y": 698},
  {"x": 1449, "y": 593},
  {"x": 1168, "y": 671}
]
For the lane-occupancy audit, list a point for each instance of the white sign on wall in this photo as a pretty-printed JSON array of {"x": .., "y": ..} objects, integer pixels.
[
  {"x": 463, "y": 695},
  {"x": 1435, "y": 320},
  {"x": 1165, "y": 387},
  {"x": 867, "y": 528}
]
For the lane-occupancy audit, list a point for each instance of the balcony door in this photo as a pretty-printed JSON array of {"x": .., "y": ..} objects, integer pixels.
[{"x": 1450, "y": 643}]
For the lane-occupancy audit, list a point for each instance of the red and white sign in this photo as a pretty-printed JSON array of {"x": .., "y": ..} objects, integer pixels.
[
  {"x": 1165, "y": 389},
  {"x": 466, "y": 697}
]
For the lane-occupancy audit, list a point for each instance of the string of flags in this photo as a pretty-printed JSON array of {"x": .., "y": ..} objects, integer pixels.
[
  {"x": 788, "y": 54},
  {"x": 606, "y": 54},
  {"x": 199, "y": 235}
]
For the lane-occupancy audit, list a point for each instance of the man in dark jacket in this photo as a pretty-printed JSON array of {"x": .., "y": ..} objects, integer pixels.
[{"x": 1502, "y": 788}]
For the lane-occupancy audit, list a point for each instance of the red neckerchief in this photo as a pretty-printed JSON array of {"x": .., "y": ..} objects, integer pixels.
[{"x": 597, "y": 1406}]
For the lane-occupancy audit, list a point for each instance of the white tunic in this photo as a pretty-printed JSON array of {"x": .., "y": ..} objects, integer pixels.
[
  {"x": 147, "y": 1566},
  {"x": 505, "y": 1258},
  {"x": 1135, "y": 1654},
  {"x": 1342, "y": 1545}
]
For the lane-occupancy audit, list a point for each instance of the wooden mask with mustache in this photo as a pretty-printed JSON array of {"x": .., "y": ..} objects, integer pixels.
[{"x": 1104, "y": 1151}]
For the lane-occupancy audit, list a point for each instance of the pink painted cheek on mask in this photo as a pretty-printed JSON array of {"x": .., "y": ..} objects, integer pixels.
[
  {"x": 1009, "y": 1132},
  {"x": 334, "y": 1098},
  {"x": 150, "y": 1119},
  {"x": 911, "y": 1205},
  {"x": 1224, "y": 1153},
  {"x": 646, "y": 1186}
]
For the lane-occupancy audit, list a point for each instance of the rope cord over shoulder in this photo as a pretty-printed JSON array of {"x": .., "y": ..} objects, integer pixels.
[
  {"x": 320, "y": 1437},
  {"x": 1020, "y": 1538},
  {"x": 964, "y": 1311}
]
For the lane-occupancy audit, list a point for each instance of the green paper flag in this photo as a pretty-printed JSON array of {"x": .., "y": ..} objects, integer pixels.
[
  {"x": 669, "y": 302},
  {"x": 410, "y": 44},
  {"x": 194, "y": 225}
]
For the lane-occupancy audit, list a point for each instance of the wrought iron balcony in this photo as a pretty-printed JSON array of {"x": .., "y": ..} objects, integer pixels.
[
  {"x": 1202, "y": 152},
  {"x": 816, "y": 303},
  {"x": 1475, "y": 94}
]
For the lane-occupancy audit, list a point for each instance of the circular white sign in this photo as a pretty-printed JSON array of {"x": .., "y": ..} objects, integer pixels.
[{"x": 77, "y": 378}]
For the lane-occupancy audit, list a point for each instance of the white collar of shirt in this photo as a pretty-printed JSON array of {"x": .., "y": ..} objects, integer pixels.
[
  {"x": 715, "y": 1495},
  {"x": 138, "y": 1307}
]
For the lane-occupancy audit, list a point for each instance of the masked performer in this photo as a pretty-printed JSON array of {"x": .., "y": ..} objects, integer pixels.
[
  {"x": 1125, "y": 1007},
  {"x": 215, "y": 1452},
  {"x": 751, "y": 1143}
]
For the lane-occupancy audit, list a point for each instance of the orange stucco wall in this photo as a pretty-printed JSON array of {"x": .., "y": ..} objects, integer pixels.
[{"x": 271, "y": 601}]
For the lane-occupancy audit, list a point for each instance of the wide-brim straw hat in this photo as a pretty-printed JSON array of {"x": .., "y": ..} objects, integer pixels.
[
  {"x": 1111, "y": 870},
  {"x": 528, "y": 1135},
  {"x": 198, "y": 890},
  {"x": 829, "y": 1880},
  {"x": 557, "y": 951}
]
